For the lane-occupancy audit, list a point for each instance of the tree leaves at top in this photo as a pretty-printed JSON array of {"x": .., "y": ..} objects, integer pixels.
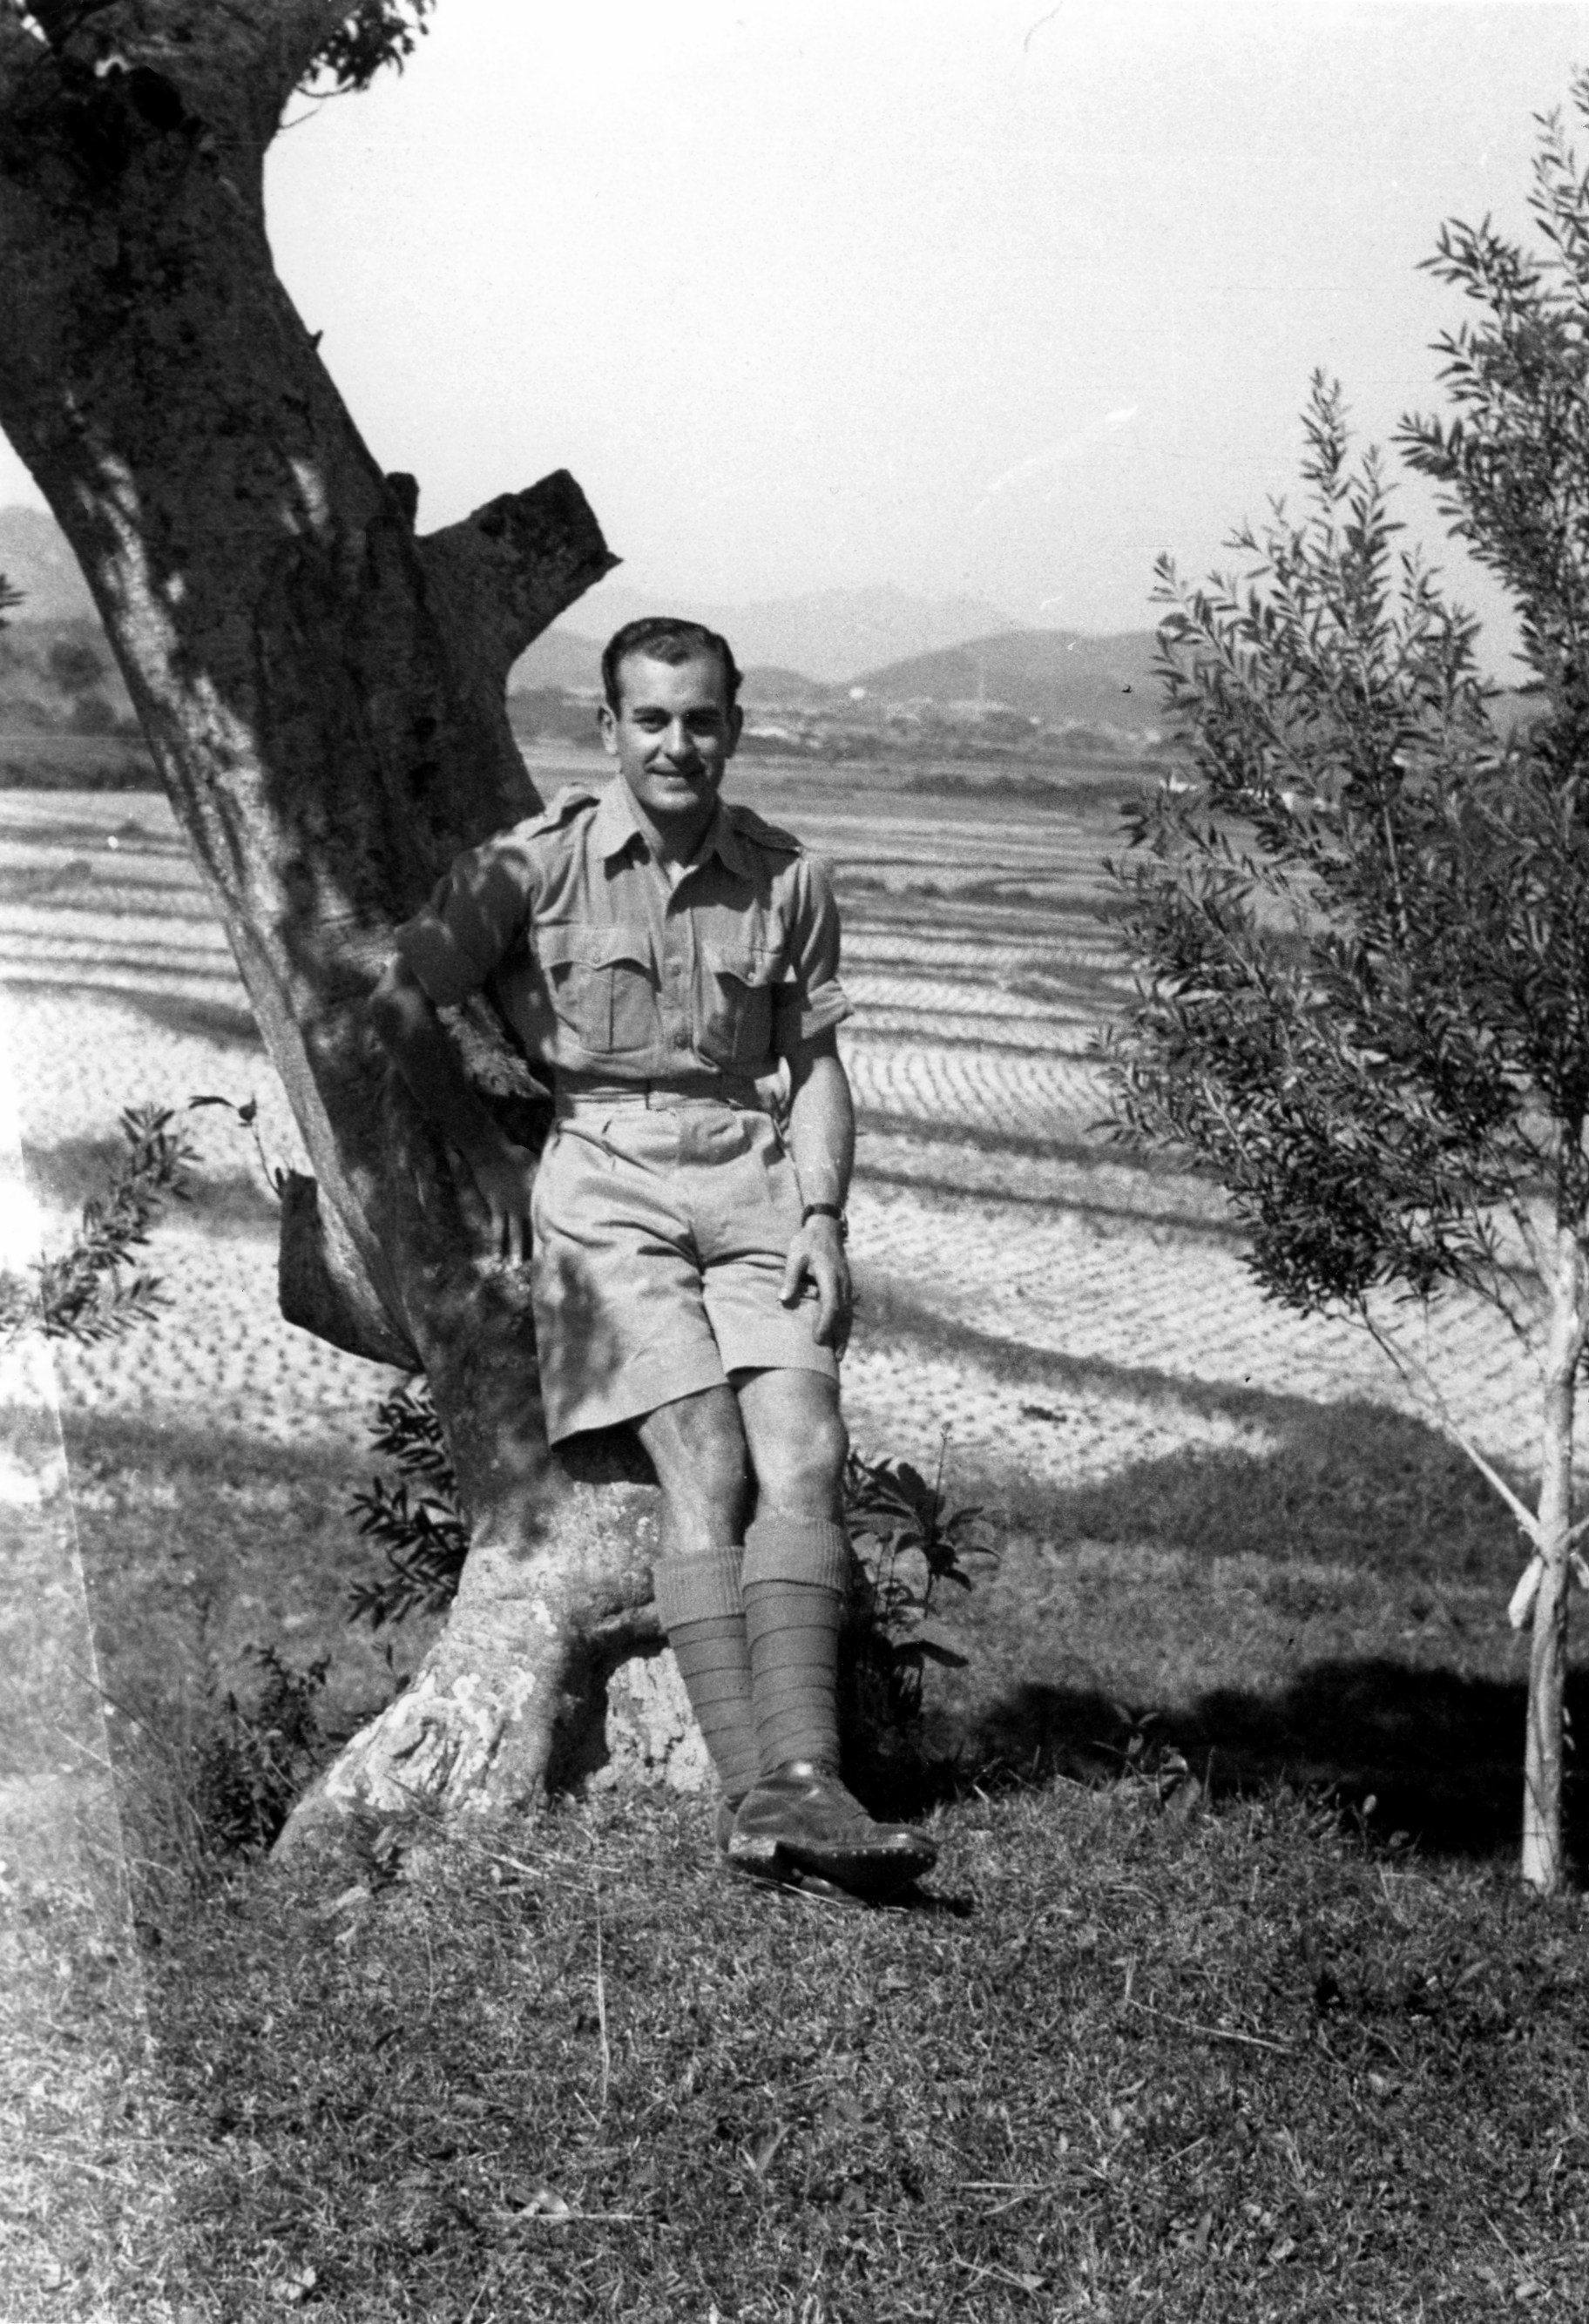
[
  {"x": 1515, "y": 457},
  {"x": 373, "y": 35}
]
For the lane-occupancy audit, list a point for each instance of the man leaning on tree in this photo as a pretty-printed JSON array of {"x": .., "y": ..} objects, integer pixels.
[{"x": 670, "y": 959}]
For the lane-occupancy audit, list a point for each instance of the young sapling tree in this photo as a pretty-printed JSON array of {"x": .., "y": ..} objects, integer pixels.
[{"x": 1361, "y": 929}]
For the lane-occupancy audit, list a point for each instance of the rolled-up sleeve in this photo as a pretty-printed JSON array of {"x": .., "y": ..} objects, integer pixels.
[
  {"x": 477, "y": 914},
  {"x": 811, "y": 1000}
]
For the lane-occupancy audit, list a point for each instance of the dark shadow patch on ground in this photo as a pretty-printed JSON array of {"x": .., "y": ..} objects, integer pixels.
[
  {"x": 76, "y": 888},
  {"x": 930, "y": 1032},
  {"x": 888, "y": 1314},
  {"x": 199, "y": 1546},
  {"x": 1005, "y": 909},
  {"x": 77, "y": 1170},
  {"x": 1352, "y": 1486},
  {"x": 98, "y": 1443},
  {"x": 1440, "y": 1755},
  {"x": 1189, "y": 1227},
  {"x": 1089, "y": 1151},
  {"x": 956, "y": 920},
  {"x": 211, "y": 1020}
]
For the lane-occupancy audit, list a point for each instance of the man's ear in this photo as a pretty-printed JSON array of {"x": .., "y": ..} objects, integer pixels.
[
  {"x": 607, "y": 721},
  {"x": 735, "y": 729}
]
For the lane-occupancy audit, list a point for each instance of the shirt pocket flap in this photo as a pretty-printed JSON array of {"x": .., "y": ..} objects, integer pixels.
[
  {"x": 564, "y": 944},
  {"x": 752, "y": 965}
]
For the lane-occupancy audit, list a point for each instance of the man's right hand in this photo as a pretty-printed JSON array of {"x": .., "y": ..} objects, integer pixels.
[
  {"x": 404, "y": 1017},
  {"x": 506, "y": 1180}
]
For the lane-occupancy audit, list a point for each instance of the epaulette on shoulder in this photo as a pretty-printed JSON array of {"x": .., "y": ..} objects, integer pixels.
[
  {"x": 559, "y": 809},
  {"x": 762, "y": 833}
]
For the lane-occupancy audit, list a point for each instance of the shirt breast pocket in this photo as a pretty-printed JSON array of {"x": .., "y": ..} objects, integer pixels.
[
  {"x": 602, "y": 984},
  {"x": 737, "y": 985}
]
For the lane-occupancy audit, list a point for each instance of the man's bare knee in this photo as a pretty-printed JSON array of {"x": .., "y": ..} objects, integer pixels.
[
  {"x": 799, "y": 1472},
  {"x": 698, "y": 1448}
]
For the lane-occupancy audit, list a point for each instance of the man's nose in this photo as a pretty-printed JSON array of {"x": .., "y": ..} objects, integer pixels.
[{"x": 678, "y": 742}]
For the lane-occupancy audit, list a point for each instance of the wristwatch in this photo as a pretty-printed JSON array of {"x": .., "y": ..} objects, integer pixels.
[{"x": 827, "y": 1210}]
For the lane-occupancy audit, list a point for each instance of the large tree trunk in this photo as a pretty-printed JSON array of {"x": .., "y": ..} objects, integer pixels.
[
  {"x": 323, "y": 692},
  {"x": 1544, "y": 1863}
]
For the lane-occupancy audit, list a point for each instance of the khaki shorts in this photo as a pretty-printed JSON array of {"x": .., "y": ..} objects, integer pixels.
[{"x": 662, "y": 1227}]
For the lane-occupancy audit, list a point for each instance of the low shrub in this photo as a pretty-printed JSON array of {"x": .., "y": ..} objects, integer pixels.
[
  {"x": 254, "y": 1759},
  {"x": 907, "y": 1543}
]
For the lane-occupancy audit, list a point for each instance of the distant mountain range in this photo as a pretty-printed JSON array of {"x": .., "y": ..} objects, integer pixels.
[
  {"x": 797, "y": 653},
  {"x": 804, "y": 653},
  {"x": 1055, "y": 675},
  {"x": 831, "y": 636}
]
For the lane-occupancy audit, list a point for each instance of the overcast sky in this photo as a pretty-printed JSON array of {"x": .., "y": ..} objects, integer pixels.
[{"x": 961, "y": 295}]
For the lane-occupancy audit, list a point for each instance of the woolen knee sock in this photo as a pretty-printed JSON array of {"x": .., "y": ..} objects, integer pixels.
[
  {"x": 795, "y": 1581},
  {"x": 698, "y": 1605}
]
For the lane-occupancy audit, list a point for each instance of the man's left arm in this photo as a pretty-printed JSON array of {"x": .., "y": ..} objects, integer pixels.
[{"x": 822, "y": 1145}]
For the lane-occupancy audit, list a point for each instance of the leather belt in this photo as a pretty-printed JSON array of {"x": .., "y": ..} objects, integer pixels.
[{"x": 657, "y": 1096}]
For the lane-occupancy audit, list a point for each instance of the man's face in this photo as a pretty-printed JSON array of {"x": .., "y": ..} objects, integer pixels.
[{"x": 673, "y": 735}]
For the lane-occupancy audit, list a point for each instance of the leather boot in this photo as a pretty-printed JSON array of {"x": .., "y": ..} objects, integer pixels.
[{"x": 799, "y": 1825}]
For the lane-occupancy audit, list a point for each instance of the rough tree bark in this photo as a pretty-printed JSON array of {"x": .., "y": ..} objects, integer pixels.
[{"x": 323, "y": 693}]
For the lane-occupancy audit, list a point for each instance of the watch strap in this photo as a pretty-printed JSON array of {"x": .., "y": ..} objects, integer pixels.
[{"x": 827, "y": 1210}]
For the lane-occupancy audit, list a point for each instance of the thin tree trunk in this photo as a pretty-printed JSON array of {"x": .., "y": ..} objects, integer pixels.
[
  {"x": 1544, "y": 1865},
  {"x": 323, "y": 694}
]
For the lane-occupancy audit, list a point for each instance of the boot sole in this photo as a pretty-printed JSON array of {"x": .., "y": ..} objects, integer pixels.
[
  {"x": 866, "y": 1872},
  {"x": 786, "y": 1881}
]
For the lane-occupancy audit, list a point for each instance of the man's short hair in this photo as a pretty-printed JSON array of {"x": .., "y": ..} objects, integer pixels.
[{"x": 662, "y": 636}]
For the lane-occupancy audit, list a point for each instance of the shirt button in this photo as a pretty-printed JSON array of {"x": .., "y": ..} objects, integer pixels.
[{"x": 681, "y": 1040}]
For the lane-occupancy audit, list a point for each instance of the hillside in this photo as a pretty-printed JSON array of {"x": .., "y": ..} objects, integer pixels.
[
  {"x": 568, "y": 659},
  {"x": 58, "y": 675},
  {"x": 768, "y": 686},
  {"x": 1058, "y": 675},
  {"x": 830, "y": 635}
]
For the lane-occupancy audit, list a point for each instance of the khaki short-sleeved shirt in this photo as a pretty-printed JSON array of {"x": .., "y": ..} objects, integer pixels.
[{"x": 606, "y": 969}]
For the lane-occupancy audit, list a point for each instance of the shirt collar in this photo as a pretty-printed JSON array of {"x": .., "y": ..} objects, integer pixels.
[
  {"x": 614, "y": 828},
  {"x": 725, "y": 841}
]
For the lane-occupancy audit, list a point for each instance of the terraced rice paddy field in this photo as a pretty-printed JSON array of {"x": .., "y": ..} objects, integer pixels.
[{"x": 1205, "y": 1506}]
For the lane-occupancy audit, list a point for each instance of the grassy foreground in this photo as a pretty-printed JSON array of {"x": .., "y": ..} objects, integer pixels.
[
  {"x": 1136, "y": 2057},
  {"x": 1141, "y": 2054}
]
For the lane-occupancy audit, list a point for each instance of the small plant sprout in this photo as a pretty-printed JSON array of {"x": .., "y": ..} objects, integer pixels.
[
  {"x": 246, "y": 1116},
  {"x": 906, "y": 1542},
  {"x": 1361, "y": 935}
]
